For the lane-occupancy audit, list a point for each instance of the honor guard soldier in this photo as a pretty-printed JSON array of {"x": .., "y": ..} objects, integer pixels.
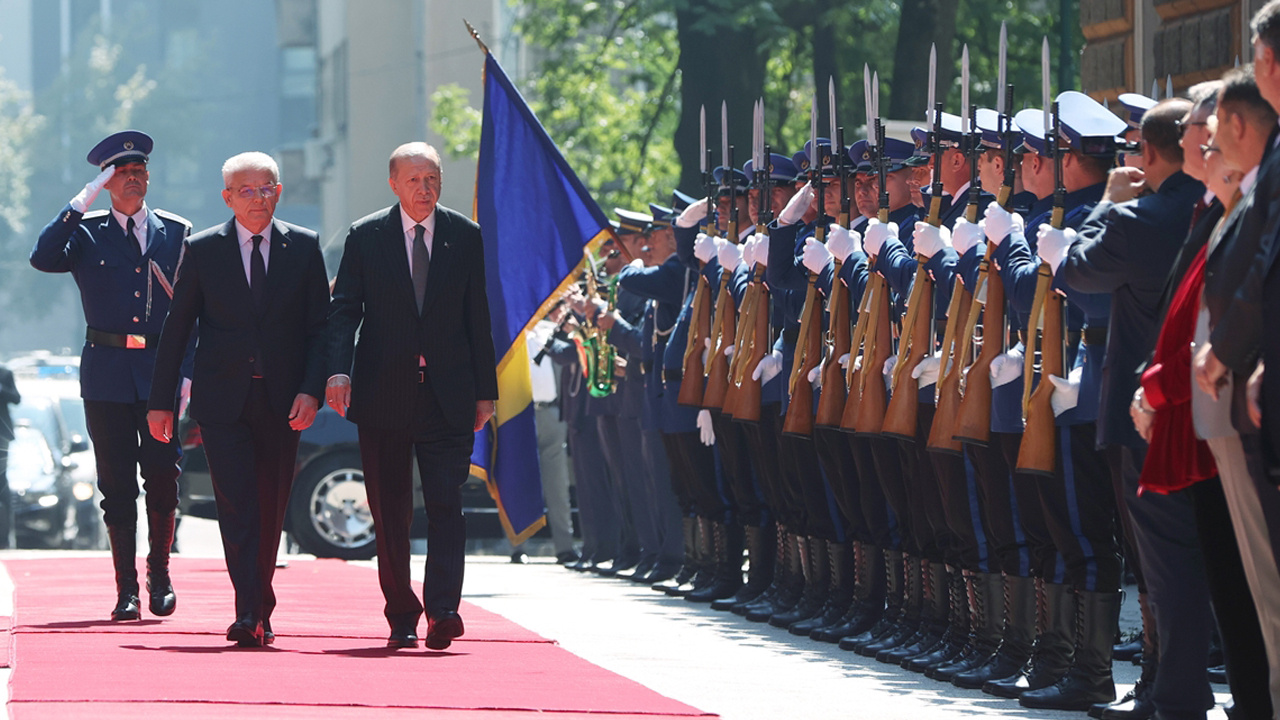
[
  {"x": 125, "y": 261},
  {"x": 1135, "y": 105}
]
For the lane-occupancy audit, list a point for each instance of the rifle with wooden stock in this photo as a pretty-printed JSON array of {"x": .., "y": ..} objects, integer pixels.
[
  {"x": 917, "y": 331},
  {"x": 693, "y": 368},
  {"x": 1038, "y": 451},
  {"x": 833, "y": 393},
  {"x": 726, "y": 314},
  {"x": 753, "y": 323},
  {"x": 808, "y": 352},
  {"x": 973, "y": 420},
  {"x": 953, "y": 357},
  {"x": 865, "y": 408}
]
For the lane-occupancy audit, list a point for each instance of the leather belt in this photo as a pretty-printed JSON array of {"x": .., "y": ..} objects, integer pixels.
[
  {"x": 130, "y": 342},
  {"x": 1094, "y": 336}
]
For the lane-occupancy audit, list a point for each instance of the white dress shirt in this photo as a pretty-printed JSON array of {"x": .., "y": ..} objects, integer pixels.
[
  {"x": 407, "y": 223},
  {"x": 541, "y": 375},
  {"x": 246, "y": 248},
  {"x": 139, "y": 225}
]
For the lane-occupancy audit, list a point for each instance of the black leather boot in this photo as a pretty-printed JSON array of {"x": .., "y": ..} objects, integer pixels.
[
  {"x": 792, "y": 584},
  {"x": 817, "y": 583},
  {"x": 1089, "y": 680},
  {"x": 692, "y": 563},
  {"x": 933, "y": 616},
  {"x": 906, "y": 623},
  {"x": 1015, "y": 636},
  {"x": 868, "y": 597},
  {"x": 727, "y": 565},
  {"x": 124, "y": 550},
  {"x": 986, "y": 605},
  {"x": 1054, "y": 646},
  {"x": 839, "y": 591},
  {"x": 890, "y": 608},
  {"x": 956, "y": 641},
  {"x": 1127, "y": 649},
  {"x": 1137, "y": 703},
  {"x": 781, "y": 572},
  {"x": 161, "y": 598},
  {"x": 760, "y": 559}
]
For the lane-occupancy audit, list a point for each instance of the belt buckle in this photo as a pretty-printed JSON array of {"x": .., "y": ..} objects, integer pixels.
[{"x": 135, "y": 342}]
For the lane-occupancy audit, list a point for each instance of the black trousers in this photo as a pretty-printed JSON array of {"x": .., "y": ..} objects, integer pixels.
[
  {"x": 443, "y": 453},
  {"x": 1079, "y": 513},
  {"x": 836, "y": 459},
  {"x": 693, "y": 465},
  {"x": 740, "y": 476},
  {"x": 122, "y": 445},
  {"x": 1237, "y": 616},
  {"x": 591, "y": 479},
  {"x": 878, "y": 518},
  {"x": 763, "y": 438},
  {"x": 928, "y": 516},
  {"x": 890, "y": 473},
  {"x": 1046, "y": 563},
  {"x": 251, "y": 463},
  {"x": 663, "y": 505},
  {"x": 800, "y": 470},
  {"x": 1005, "y": 539},
  {"x": 624, "y": 492}
]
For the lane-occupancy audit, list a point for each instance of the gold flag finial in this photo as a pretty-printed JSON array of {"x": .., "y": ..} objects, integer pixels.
[{"x": 476, "y": 36}]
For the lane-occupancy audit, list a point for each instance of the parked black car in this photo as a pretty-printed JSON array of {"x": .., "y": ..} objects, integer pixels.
[{"x": 328, "y": 513}]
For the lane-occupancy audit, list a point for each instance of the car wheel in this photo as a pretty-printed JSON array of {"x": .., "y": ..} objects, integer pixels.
[{"x": 328, "y": 510}]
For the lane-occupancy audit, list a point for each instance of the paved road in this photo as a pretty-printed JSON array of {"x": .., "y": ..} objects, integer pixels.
[{"x": 715, "y": 661}]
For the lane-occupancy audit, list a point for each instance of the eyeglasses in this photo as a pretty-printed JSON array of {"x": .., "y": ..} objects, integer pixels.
[
  {"x": 1182, "y": 126},
  {"x": 249, "y": 193},
  {"x": 1206, "y": 149}
]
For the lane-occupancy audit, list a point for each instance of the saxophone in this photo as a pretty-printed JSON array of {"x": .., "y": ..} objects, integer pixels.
[{"x": 600, "y": 361}]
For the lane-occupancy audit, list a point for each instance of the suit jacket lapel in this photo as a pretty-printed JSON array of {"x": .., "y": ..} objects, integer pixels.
[
  {"x": 397, "y": 261},
  {"x": 441, "y": 258},
  {"x": 279, "y": 263},
  {"x": 228, "y": 255}
]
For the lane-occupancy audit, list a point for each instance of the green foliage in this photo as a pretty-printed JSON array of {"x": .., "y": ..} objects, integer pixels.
[
  {"x": 453, "y": 118},
  {"x": 18, "y": 125}
]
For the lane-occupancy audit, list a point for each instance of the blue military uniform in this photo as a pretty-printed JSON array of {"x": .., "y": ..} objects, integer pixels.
[{"x": 125, "y": 292}]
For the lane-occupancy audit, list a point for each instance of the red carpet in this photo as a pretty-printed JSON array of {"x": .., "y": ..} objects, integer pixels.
[{"x": 329, "y": 660}]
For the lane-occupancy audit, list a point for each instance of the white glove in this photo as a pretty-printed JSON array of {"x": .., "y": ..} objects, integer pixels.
[
  {"x": 84, "y": 199},
  {"x": 877, "y": 233},
  {"x": 815, "y": 376},
  {"x": 1007, "y": 367},
  {"x": 1000, "y": 222},
  {"x": 841, "y": 243},
  {"x": 768, "y": 367},
  {"x": 930, "y": 240},
  {"x": 706, "y": 433},
  {"x": 926, "y": 371},
  {"x": 704, "y": 247},
  {"x": 1066, "y": 393},
  {"x": 966, "y": 234},
  {"x": 729, "y": 254},
  {"x": 728, "y": 351},
  {"x": 857, "y": 364},
  {"x": 797, "y": 206},
  {"x": 693, "y": 214},
  {"x": 637, "y": 264},
  {"x": 889, "y": 365},
  {"x": 844, "y": 361},
  {"x": 815, "y": 255},
  {"x": 761, "y": 253},
  {"x": 1052, "y": 245}
]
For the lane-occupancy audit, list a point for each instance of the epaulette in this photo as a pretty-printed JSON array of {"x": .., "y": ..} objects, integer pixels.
[
  {"x": 174, "y": 217},
  {"x": 93, "y": 214}
]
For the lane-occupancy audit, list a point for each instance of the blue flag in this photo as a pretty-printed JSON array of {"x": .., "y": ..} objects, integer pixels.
[{"x": 537, "y": 218}]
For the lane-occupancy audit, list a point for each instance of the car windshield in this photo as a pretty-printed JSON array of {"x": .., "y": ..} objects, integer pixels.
[
  {"x": 73, "y": 416},
  {"x": 40, "y": 415},
  {"x": 29, "y": 457}
]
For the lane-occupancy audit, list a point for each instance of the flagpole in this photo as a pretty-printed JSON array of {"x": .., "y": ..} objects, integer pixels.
[{"x": 476, "y": 36}]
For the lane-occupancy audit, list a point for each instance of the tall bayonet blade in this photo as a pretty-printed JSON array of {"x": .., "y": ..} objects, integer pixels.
[
  {"x": 866, "y": 103},
  {"x": 1046, "y": 99},
  {"x": 964, "y": 90},
  {"x": 1155, "y": 89},
  {"x": 813, "y": 134},
  {"x": 1004, "y": 55},
  {"x": 933, "y": 78},
  {"x": 760, "y": 159},
  {"x": 1168, "y": 86},
  {"x": 831, "y": 108},
  {"x": 875, "y": 94},
  {"x": 702, "y": 140},
  {"x": 724, "y": 134}
]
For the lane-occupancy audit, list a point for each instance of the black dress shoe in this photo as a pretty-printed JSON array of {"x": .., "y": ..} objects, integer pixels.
[
  {"x": 442, "y": 628},
  {"x": 568, "y": 557},
  {"x": 246, "y": 631},
  {"x": 127, "y": 607},
  {"x": 268, "y": 637},
  {"x": 403, "y": 637},
  {"x": 519, "y": 558}
]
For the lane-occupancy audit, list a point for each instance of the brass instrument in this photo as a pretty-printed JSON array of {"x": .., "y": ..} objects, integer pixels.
[{"x": 600, "y": 361}]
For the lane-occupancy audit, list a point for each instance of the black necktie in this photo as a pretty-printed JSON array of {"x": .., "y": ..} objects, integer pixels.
[
  {"x": 421, "y": 264},
  {"x": 129, "y": 228},
  {"x": 258, "y": 274}
]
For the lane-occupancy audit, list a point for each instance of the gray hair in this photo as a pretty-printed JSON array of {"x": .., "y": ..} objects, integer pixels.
[
  {"x": 413, "y": 150},
  {"x": 249, "y": 161},
  {"x": 1204, "y": 95}
]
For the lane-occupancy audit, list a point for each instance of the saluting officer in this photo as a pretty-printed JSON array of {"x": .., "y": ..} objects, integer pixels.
[{"x": 124, "y": 260}]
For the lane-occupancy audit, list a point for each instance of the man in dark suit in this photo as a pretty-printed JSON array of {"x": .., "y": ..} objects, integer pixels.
[
  {"x": 259, "y": 290},
  {"x": 1126, "y": 247},
  {"x": 123, "y": 261},
  {"x": 421, "y": 381},
  {"x": 9, "y": 395}
]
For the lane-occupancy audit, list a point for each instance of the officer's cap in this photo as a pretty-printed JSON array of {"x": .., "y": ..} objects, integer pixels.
[
  {"x": 804, "y": 159},
  {"x": 920, "y": 141},
  {"x": 989, "y": 124},
  {"x": 680, "y": 201},
  {"x": 782, "y": 170},
  {"x": 725, "y": 177},
  {"x": 631, "y": 222},
  {"x": 897, "y": 151},
  {"x": 662, "y": 216},
  {"x": 1087, "y": 127},
  {"x": 1135, "y": 106},
  {"x": 128, "y": 146}
]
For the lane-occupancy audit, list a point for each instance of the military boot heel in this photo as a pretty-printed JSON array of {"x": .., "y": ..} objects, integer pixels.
[
  {"x": 124, "y": 550},
  {"x": 161, "y": 599}
]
